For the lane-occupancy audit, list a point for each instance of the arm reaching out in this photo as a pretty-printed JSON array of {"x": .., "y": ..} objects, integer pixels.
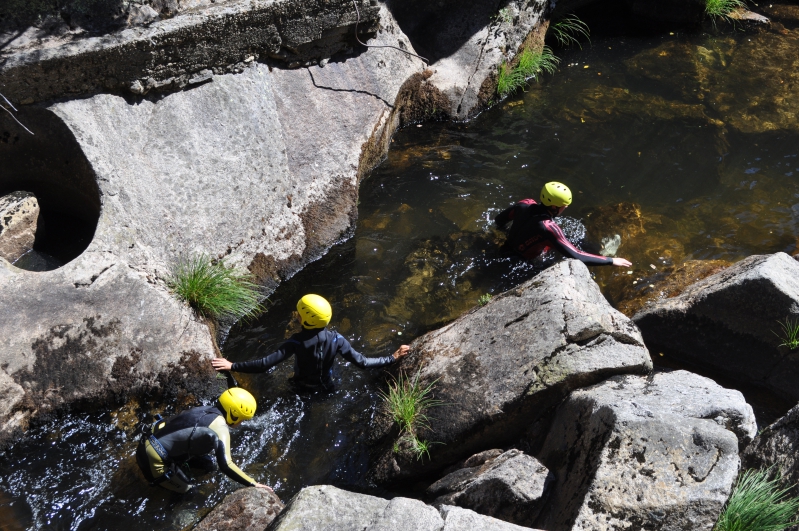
[
  {"x": 621, "y": 262},
  {"x": 221, "y": 364},
  {"x": 401, "y": 352}
]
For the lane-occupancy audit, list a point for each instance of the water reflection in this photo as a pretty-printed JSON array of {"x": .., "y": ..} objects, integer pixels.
[{"x": 683, "y": 146}]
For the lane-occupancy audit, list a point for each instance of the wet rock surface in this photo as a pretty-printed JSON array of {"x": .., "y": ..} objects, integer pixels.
[
  {"x": 500, "y": 368},
  {"x": 777, "y": 447},
  {"x": 247, "y": 509},
  {"x": 728, "y": 322},
  {"x": 330, "y": 509},
  {"x": 19, "y": 213},
  {"x": 645, "y": 453},
  {"x": 509, "y": 486}
]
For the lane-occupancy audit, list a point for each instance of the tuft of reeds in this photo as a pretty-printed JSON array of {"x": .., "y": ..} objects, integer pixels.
[
  {"x": 789, "y": 333},
  {"x": 213, "y": 289},
  {"x": 407, "y": 400},
  {"x": 529, "y": 66},
  {"x": 722, "y": 8},
  {"x": 569, "y": 30},
  {"x": 758, "y": 504}
]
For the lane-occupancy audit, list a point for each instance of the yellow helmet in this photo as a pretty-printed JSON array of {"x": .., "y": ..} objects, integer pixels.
[
  {"x": 556, "y": 194},
  {"x": 315, "y": 311},
  {"x": 238, "y": 405}
]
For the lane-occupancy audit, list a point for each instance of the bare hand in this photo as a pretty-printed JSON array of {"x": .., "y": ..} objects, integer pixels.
[
  {"x": 221, "y": 364},
  {"x": 262, "y": 486},
  {"x": 401, "y": 352},
  {"x": 621, "y": 262}
]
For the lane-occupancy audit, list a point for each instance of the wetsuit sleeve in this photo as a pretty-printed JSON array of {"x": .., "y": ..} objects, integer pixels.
[
  {"x": 222, "y": 453},
  {"x": 565, "y": 246},
  {"x": 264, "y": 364},
  {"x": 353, "y": 356}
]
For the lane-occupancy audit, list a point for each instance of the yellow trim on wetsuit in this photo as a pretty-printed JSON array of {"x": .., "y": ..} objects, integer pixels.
[
  {"x": 158, "y": 468},
  {"x": 219, "y": 426}
]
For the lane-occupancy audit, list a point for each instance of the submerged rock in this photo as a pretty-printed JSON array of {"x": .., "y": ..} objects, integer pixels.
[
  {"x": 247, "y": 509},
  {"x": 777, "y": 447},
  {"x": 326, "y": 508},
  {"x": 645, "y": 453},
  {"x": 500, "y": 368},
  {"x": 729, "y": 322},
  {"x": 509, "y": 486},
  {"x": 19, "y": 213}
]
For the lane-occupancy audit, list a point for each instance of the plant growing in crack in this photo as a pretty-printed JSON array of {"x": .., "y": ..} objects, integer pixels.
[
  {"x": 722, "y": 8},
  {"x": 504, "y": 15},
  {"x": 569, "y": 30},
  {"x": 407, "y": 401},
  {"x": 529, "y": 65},
  {"x": 484, "y": 299},
  {"x": 758, "y": 503},
  {"x": 789, "y": 333}
]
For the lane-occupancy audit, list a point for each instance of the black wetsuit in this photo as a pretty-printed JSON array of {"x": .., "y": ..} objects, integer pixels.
[
  {"x": 195, "y": 432},
  {"x": 314, "y": 352},
  {"x": 534, "y": 232}
]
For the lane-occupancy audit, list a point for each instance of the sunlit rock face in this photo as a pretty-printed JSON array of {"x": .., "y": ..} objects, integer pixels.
[
  {"x": 500, "y": 368},
  {"x": 645, "y": 453},
  {"x": 247, "y": 509},
  {"x": 730, "y": 323},
  {"x": 19, "y": 213}
]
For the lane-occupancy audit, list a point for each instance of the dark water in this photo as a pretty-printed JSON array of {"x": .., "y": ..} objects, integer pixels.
[{"x": 686, "y": 146}]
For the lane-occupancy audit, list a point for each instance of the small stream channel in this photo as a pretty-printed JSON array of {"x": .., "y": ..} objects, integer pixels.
[{"x": 682, "y": 144}]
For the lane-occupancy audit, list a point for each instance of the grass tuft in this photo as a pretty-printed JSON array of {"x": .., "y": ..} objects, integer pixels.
[
  {"x": 722, "y": 8},
  {"x": 530, "y": 65},
  {"x": 569, "y": 30},
  {"x": 484, "y": 299},
  {"x": 407, "y": 400},
  {"x": 758, "y": 504},
  {"x": 213, "y": 289},
  {"x": 789, "y": 333}
]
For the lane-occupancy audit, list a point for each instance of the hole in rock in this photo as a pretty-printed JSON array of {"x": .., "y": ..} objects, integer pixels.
[{"x": 51, "y": 165}]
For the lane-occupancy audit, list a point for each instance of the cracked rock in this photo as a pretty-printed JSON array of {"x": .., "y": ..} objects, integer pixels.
[
  {"x": 645, "y": 453},
  {"x": 499, "y": 369},
  {"x": 778, "y": 446},
  {"x": 19, "y": 213}
]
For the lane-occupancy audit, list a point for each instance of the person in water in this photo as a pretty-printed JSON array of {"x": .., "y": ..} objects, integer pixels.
[
  {"x": 314, "y": 349},
  {"x": 188, "y": 438},
  {"x": 534, "y": 230}
]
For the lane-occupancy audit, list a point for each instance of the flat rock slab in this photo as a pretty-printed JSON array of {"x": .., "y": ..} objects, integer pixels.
[
  {"x": 778, "y": 446},
  {"x": 727, "y": 323},
  {"x": 502, "y": 367},
  {"x": 19, "y": 212},
  {"x": 645, "y": 453},
  {"x": 509, "y": 486},
  {"x": 327, "y": 508},
  {"x": 247, "y": 509}
]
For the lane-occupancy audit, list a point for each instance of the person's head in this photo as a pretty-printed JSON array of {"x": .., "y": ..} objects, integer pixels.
[
  {"x": 237, "y": 404},
  {"x": 556, "y": 196},
  {"x": 315, "y": 311}
]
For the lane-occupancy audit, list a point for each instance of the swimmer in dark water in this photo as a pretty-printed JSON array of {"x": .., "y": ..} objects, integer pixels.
[
  {"x": 314, "y": 349},
  {"x": 534, "y": 230}
]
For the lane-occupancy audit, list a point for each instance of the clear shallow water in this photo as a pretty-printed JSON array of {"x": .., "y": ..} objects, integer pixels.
[{"x": 690, "y": 135}]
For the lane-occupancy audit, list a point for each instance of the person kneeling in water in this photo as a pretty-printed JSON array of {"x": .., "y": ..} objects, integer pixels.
[
  {"x": 534, "y": 230},
  {"x": 314, "y": 349},
  {"x": 190, "y": 436}
]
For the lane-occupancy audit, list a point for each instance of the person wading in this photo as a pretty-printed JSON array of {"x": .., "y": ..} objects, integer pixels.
[
  {"x": 314, "y": 349},
  {"x": 170, "y": 446},
  {"x": 534, "y": 230}
]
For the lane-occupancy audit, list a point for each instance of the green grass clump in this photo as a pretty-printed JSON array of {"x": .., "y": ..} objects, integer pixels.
[
  {"x": 484, "y": 299},
  {"x": 568, "y": 30},
  {"x": 789, "y": 333},
  {"x": 758, "y": 504},
  {"x": 722, "y": 8},
  {"x": 213, "y": 289},
  {"x": 530, "y": 65},
  {"x": 407, "y": 400}
]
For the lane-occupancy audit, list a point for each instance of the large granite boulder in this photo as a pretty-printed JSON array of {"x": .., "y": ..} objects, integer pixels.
[
  {"x": 247, "y": 509},
  {"x": 326, "y": 508},
  {"x": 509, "y": 486},
  {"x": 728, "y": 323},
  {"x": 777, "y": 446},
  {"x": 499, "y": 369},
  {"x": 19, "y": 213},
  {"x": 645, "y": 453}
]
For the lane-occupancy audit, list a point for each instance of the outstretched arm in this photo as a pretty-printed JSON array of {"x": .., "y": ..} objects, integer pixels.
[
  {"x": 355, "y": 357},
  {"x": 259, "y": 365},
  {"x": 565, "y": 246}
]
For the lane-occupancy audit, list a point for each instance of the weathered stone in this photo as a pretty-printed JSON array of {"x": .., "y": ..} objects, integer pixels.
[
  {"x": 728, "y": 322},
  {"x": 19, "y": 213},
  {"x": 246, "y": 509},
  {"x": 500, "y": 368},
  {"x": 645, "y": 453},
  {"x": 777, "y": 447},
  {"x": 509, "y": 487},
  {"x": 326, "y": 508}
]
